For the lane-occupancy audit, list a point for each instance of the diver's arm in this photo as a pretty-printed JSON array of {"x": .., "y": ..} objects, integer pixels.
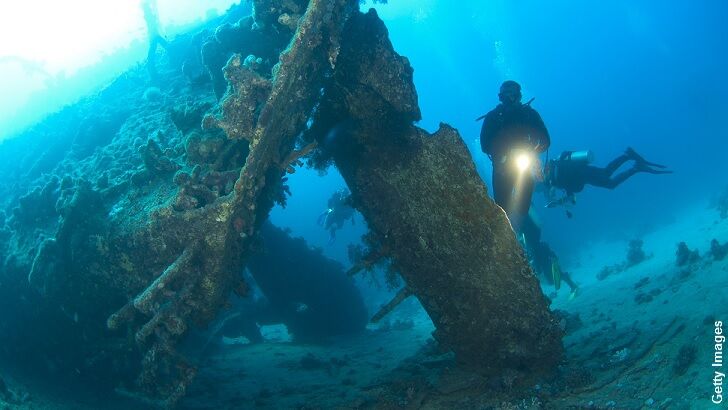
[
  {"x": 487, "y": 133},
  {"x": 567, "y": 198},
  {"x": 540, "y": 135}
]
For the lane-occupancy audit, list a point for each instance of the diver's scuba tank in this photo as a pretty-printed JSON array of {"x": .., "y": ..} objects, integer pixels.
[{"x": 586, "y": 156}]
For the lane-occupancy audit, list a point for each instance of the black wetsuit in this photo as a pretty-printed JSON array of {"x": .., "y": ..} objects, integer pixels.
[
  {"x": 340, "y": 211},
  {"x": 506, "y": 127},
  {"x": 572, "y": 176}
]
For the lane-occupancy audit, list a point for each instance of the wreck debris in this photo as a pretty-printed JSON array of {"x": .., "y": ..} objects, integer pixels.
[
  {"x": 294, "y": 159},
  {"x": 304, "y": 281},
  {"x": 260, "y": 35},
  {"x": 145, "y": 301},
  {"x": 298, "y": 80},
  {"x": 155, "y": 262},
  {"x": 403, "y": 294},
  {"x": 241, "y": 107},
  {"x": 198, "y": 190},
  {"x": 156, "y": 163},
  {"x": 421, "y": 195},
  {"x": 213, "y": 221}
]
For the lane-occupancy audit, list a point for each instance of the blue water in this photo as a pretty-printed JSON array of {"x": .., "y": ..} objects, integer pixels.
[{"x": 604, "y": 75}]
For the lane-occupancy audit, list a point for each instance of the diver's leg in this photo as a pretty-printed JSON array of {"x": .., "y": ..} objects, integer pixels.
[
  {"x": 515, "y": 197},
  {"x": 540, "y": 253},
  {"x": 616, "y": 163},
  {"x": 531, "y": 231},
  {"x": 621, "y": 177},
  {"x": 524, "y": 193},
  {"x": 602, "y": 177},
  {"x": 321, "y": 220},
  {"x": 567, "y": 278},
  {"x": 502, "y": 187}
]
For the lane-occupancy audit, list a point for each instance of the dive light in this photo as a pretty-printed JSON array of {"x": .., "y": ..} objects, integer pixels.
[{"x": 523, "y": 161}]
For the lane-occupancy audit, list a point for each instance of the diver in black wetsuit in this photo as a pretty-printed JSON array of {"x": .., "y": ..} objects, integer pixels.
[
  {"x": 543, "y": 259},
  {"x": 338, "y": 211},
  {"x": 571, "y": 172},
  {"x": 509, "y": 127}
]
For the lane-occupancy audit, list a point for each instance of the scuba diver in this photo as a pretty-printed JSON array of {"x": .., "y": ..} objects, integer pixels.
[
  {"x": 571, "y": 172},
  {"x": 512, "y": 134},
  {"x": 339, "y": 211},
  {"x": 544, "y": 261},
  {"x": 151, "y": 17}
]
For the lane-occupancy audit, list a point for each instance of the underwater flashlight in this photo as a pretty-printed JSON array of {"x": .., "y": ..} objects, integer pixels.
[{"x": 523, "y": 161}]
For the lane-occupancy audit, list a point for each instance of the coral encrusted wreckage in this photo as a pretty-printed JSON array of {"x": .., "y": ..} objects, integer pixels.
[{"x": 134, "y": 257}]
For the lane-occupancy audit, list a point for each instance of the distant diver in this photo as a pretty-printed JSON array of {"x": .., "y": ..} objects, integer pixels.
[
  {"x": 571, "y": 171},
  {"x": 543, "y": 259},
  {"x": 151, "y": 17},
  {"x": 339, "y": 211},
  {"x": 512, "y": 135}
]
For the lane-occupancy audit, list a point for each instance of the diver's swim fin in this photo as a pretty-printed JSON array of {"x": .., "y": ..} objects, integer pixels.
[
  {"x": 556, "y": 273},
  {"x": 640, "y": 159},
  {"x": 574, "y": 293},
  {"x": 645, "y": 167}
]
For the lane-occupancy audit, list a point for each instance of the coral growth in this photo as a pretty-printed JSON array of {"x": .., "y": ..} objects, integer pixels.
[
  {"x": 646, "y": 297},
  {"x": 188, "y": 116},
  {"x": 635, "y": 256},
  {"x": 156, "y": 163},
  {"x": 216, "y": 214},
  {"x": 684, "y": 256},
  {"x": 684, "y": 359},
  {"x": 718, "y": 250},
  {"x": 198, "y": 189},
  {"x": 38, "y": 204},
  {"x": 333, "y": 304},
  {"x": 240, "y": 110},
  {"x": 264, "y": 35}
]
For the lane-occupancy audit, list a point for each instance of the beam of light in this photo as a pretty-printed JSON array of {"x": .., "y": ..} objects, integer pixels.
[
  {"x": 47, "y": 45},
  {"x": 523, "y": 162},
  {"x": 524, "y": 165}
]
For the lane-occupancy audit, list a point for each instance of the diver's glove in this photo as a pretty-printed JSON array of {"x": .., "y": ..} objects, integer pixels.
[{"x": 565, "y": 200}]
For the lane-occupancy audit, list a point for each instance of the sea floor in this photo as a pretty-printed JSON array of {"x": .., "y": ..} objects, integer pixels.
[{"x": 639, "y": 339}]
